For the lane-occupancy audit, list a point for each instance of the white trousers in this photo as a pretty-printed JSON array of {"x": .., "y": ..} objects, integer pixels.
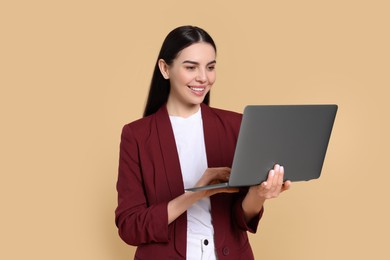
[{"x": 200, "y": 248}]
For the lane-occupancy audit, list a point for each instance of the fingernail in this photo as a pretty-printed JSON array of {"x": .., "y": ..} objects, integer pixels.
[
  {"x": 272, "y": 173},
  {"x": 281, "y": 168}
]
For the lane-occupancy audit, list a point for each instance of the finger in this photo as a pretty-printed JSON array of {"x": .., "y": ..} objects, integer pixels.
[
  {"x": 231, "y": 190},
  {"x": 286, "y": 186},
  {"x": 223, "y": 190},
  {"x": 274, "y": 184},
  {"x": 279, "y": 187},
  {"x": 225, "y": 171},
  {"x": 214, "y": 175},
  {"x": 281, "y": 176},
  {"x": 275, "y": 181},
  {"x": 267, "y": 185},
  {"x": 270, "y": 177},
  {"x": 224, "y": 174},
  {"x": 278, "y": 181},
  {"x": 220, "y": 174}
]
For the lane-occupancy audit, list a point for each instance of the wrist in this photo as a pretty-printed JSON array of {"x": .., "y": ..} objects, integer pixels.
[
  {"x": 252, "y": 205},
  {"x": 194, "y": 195}
]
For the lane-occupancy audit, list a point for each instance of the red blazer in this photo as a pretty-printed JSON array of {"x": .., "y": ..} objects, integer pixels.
[{"x": 150, "y": 176}]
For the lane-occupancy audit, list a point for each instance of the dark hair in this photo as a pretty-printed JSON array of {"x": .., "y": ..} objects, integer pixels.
[{"x": 176, "y": 40}]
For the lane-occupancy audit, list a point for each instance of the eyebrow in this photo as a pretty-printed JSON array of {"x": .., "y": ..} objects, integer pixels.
[{"x": 197, "y": 63}]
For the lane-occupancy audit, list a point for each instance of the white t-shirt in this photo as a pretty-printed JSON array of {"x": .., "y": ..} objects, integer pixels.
[{"x": 191, "y": 148}]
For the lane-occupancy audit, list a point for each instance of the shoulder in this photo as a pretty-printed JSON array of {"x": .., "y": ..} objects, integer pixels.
[
  {"x": 146, "y": 127},
  {"x": 226, "y": 117},
  {"x": 139, "y": 127},
  {"x": 225, "y": 120},
  {"x": 140, "y": 123},
  {"x": 226, "y": 114}
]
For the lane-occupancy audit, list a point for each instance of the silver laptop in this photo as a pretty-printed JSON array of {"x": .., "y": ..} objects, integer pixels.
[{"x": 295, "y": 136}]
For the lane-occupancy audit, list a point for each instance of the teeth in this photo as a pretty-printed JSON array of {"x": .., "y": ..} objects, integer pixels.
[{"x": 197, "y": 89}]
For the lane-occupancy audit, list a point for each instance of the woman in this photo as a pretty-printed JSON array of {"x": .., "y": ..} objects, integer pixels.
[{"x": 181, "y": 142}]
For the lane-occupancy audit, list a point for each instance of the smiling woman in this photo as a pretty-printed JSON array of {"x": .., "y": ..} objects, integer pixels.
[{"x": 181, "y": 142}]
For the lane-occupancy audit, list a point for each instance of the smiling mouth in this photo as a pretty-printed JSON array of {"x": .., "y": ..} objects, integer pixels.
[{"x": 197, "y": 89}]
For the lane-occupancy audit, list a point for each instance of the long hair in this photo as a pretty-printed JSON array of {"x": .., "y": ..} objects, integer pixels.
[{"x": 176, "y": 40}]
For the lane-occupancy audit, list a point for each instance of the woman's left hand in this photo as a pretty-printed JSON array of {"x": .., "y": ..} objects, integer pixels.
[{"x": 273, "y": 186}]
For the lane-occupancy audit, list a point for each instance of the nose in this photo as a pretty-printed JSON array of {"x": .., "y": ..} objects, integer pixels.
[{"x": 202, "y": 75}]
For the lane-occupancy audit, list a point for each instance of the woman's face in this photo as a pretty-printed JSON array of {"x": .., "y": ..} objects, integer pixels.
[{"x": 191, "y": 75}]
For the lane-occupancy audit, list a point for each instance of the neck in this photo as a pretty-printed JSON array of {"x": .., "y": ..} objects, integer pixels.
[{"x": 182, "y": 111}]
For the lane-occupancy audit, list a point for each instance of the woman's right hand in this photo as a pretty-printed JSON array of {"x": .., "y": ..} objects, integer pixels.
[
  {"x": 215, "y": 176},
  {"x": 180, "y": 204}
]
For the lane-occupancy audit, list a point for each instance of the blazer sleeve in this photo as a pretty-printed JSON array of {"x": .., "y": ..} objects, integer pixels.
[
  {"x": 238, "y": 214},
  {"x": 137, "y": 222}
]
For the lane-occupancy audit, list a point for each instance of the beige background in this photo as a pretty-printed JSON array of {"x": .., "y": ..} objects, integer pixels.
[{"x": 73, "y": 72}]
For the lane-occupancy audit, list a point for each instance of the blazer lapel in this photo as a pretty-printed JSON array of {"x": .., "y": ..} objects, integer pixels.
[
  {"x": 169, "y": 152},
  {"x": 172, "y": 173}
]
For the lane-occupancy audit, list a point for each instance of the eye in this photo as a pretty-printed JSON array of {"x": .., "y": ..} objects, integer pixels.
[
  {"x": 211, "y": 68},
  {"x": 190, "y": 67}
]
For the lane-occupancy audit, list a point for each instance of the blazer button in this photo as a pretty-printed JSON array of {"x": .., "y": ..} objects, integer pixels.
[{"x": 225, "y": 250}]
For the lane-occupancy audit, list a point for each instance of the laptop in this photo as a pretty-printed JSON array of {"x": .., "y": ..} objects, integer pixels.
[{"x": 294, "y": 136}]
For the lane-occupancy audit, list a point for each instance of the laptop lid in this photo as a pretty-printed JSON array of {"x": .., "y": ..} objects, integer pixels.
[{"x": 295, "y": 136}]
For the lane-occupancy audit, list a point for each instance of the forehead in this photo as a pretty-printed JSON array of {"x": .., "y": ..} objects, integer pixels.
[{"x": 197, "y": 52}]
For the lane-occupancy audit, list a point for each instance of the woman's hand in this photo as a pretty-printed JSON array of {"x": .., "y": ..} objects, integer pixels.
[
  {"x": 214, "y": 176},
  {"x": 180, "y": 204},
  {"x": 271, "y": 188}
]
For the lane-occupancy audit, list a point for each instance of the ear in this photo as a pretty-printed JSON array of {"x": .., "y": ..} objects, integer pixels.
[{"x": 164, "y": 68}]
